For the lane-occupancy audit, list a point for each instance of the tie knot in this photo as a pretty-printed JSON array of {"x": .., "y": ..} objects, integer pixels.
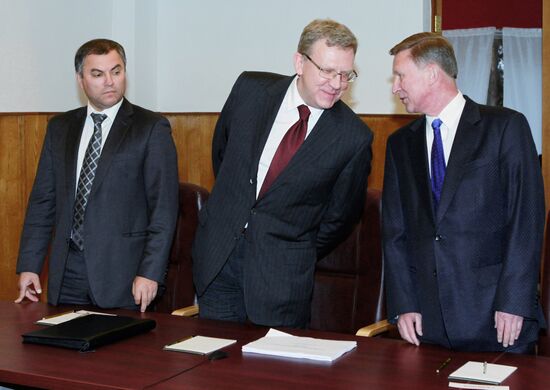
[
  {"x": 98, "y": 118},
  {"x": 436, "y": 124},
  {"x": 304, "y": 112}
]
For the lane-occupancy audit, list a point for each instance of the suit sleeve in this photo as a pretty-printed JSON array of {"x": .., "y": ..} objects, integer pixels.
[
  {"x": 525, "y": 214},
  {"x": 40, "y": 215},
  {"x": 161, "y": 189},
  {"x": 347, "y": 199},
  {"x": 400, "y": 287}
]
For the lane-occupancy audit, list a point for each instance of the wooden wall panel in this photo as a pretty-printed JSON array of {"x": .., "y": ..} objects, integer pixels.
[
  {"x": 193, "y": 137},
  {"x": 21, "y": 137},
  {"x": 11, "y": 195},
  {"x": 382, "y": 126}
]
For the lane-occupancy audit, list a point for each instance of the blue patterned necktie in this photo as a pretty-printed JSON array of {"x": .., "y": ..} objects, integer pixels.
[
  {"x": 85, "y": 181},
  {"x": 438, "y": 162}
]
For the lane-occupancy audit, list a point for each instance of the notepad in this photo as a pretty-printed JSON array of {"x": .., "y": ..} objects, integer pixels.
[
  {"x": 473, "y": 371},
  {"x": 200, "y": 345},
  {"x": 67, "y": 316},
  {"x": 278, "y": 343}
]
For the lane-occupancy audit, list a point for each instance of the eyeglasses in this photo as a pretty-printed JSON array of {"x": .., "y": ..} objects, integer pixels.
[{"x": 329, "y": 74}]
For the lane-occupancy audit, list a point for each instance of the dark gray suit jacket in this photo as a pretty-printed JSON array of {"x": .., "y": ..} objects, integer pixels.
[
  {"x": 131, "y": 212},
  {"x": 481, "y": 251},
  {"x": 305, "y": 211}
]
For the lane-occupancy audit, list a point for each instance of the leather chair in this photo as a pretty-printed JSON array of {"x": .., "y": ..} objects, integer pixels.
[
  {"x": 178, "y": 290},
  {"x": 544, "y": 336},
  {"x": 349, "y": 281}
]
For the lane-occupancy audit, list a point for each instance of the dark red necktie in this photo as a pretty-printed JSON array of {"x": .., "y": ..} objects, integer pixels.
[{"x": 290, "y": 143}]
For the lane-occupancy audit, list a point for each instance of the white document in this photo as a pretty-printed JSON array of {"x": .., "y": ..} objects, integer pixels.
[
  {"x": 199, "y": 344},
  {"x": 71, "y": 315},
  {"x": 482, "y": 372},
  {"x": 283, "y": 344}
]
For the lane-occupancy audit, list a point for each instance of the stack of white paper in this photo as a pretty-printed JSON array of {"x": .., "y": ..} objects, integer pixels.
[{"x": 283, "y": 344}]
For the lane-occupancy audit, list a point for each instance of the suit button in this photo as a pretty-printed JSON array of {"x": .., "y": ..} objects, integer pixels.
[
  {"x": 435, "y": 272},
  {"x": 253, "y": 211},
  {"x": 438, "y": 237},
  {"x": 251, "y": 181}
]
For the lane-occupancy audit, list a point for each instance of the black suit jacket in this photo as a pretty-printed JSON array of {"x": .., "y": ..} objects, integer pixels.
[
  {"x": 481, "y": 251},
  {"x": 306, "y": 209},
  {"x": 131, "y": 211}
]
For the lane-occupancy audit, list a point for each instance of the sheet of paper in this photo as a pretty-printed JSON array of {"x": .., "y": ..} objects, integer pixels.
[
  {"x": 199, "y": 344},
  {"x": 472, "y": 386},
  {"x": 283, "y": 344},
  {"x": 70, "y": 315},
  {"x": 476, "y": 372}
]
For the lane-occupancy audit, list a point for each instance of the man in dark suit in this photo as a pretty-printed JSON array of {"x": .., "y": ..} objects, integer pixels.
[
  {"x": 261, "y": 232},
  {"x": 105, "y": 195},
  {"x": 463, "y": 212}
]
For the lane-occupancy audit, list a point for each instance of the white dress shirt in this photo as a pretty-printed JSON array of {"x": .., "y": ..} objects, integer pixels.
[
  {"x": 88, "y": 131},
  {"x": 450, "y": 116}
]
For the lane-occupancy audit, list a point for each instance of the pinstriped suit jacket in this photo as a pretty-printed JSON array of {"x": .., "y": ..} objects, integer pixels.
[{"x": 305, "y": 211}]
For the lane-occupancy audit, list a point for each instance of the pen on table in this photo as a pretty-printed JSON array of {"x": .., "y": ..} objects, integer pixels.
[
  {"x": 443, "y": 365},
  {"x": 484, "y": 367}
]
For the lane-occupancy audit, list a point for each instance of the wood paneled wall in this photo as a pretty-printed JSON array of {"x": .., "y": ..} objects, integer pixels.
[{"x": 22, "y": 134}]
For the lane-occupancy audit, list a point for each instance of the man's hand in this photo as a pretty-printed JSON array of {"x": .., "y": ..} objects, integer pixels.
[
  {"x": 409, "y": 325},
  {"x": 29, "y": 286},
  {"x": 508, "y": 327},
  {"x": 144, "y": 291}
]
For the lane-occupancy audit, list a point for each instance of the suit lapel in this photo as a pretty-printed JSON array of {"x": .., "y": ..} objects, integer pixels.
[
  {"x": 467, "y": 135},
  {"x": 266, "y": 118},
  {"x": 72, "y": 142},
  {"x": 419, "y": 165},
  {"x": 120, "y": 127}
]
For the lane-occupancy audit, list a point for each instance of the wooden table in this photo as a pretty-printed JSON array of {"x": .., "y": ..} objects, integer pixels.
[{"x": 140, "y": 362}]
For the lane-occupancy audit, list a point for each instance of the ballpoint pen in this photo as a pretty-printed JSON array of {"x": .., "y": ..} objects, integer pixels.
[{"x": 443, "y": 365}]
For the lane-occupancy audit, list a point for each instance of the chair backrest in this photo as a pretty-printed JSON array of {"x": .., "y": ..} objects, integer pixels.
[
  {"x": 544, "y": 337},
  {"x": 349, "y": 282},
  {"x": 178, "y": 290}
]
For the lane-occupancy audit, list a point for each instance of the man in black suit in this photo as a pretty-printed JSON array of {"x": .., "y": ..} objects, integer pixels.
[
  {"x": 105, "y": 195},
  {"x": 463, "y": 212},
  {"x": 261, "y": 232}
]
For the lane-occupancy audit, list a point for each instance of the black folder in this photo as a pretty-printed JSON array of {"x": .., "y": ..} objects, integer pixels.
[{"x": 90, "y": 331}]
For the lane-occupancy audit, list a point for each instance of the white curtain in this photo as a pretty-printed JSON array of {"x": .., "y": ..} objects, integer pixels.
[
  {"x": 522, "y": 57},
  {"x": 474, "y": 53}
]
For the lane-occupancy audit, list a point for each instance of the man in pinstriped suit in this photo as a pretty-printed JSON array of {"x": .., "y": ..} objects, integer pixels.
[{"x": 254, "y": 254}]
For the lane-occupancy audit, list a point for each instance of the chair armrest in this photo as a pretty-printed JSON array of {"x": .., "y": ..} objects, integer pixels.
[
  {"x": 188, "y": 311},
  {"x": 375, "y": 329}
]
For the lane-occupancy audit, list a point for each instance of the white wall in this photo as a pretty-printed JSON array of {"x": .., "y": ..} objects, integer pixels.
[{"x": 183, "y": 56}]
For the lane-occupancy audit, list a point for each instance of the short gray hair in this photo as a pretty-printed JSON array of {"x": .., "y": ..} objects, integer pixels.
[{"x": 427, "y": 48}]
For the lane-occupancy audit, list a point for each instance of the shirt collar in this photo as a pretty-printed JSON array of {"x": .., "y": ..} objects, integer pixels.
[
  {"x": 450, "y": 115},
  {"x": 293, "y": 99},
  {"x": 110, "y": 112}
]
